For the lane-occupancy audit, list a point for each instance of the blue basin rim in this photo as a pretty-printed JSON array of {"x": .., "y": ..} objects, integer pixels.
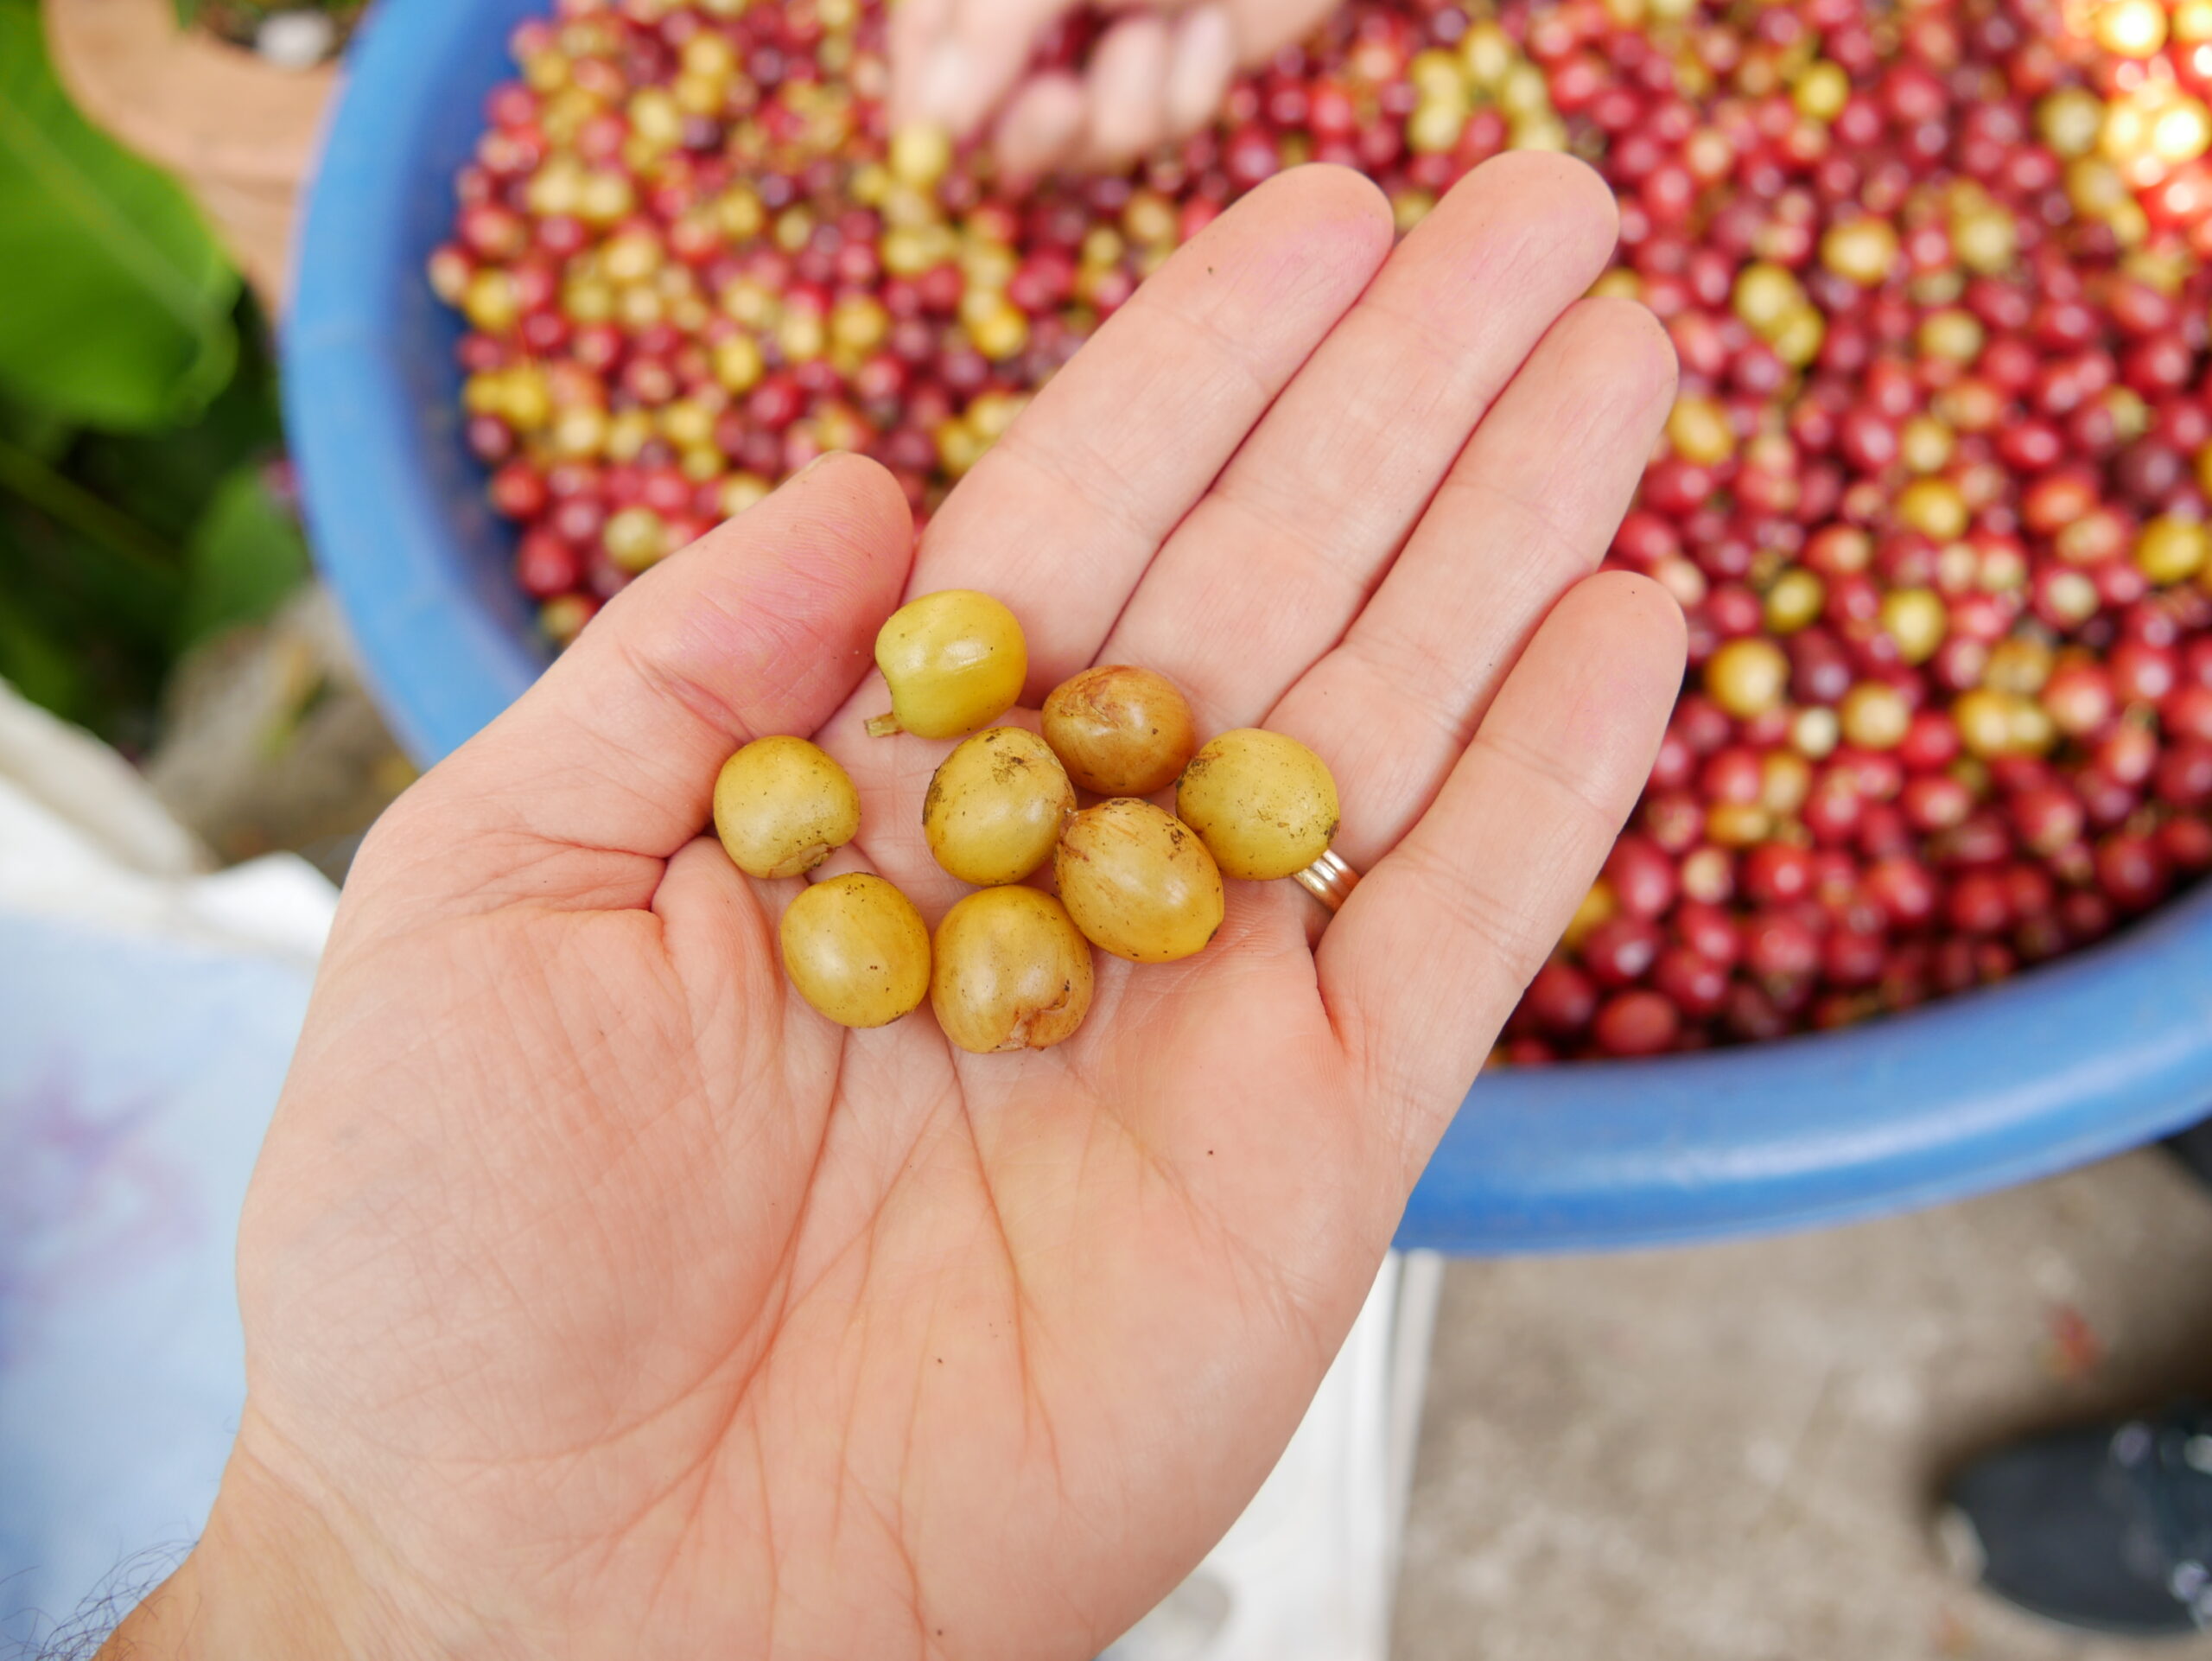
[{"x": 2101, "y": 1051}]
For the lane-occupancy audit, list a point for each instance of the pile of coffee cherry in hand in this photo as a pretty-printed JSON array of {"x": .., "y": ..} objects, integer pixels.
[{"x": 1009, "y": 967}]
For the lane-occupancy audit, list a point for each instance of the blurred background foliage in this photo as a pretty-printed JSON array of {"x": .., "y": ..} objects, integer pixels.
[{"x": 144, "y": 503}]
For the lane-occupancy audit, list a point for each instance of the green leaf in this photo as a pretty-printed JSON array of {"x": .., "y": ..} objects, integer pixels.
[
  {"x": 187, "y": 12},
  {"x": 83, "y": 631},
  {"x": 165, "y": 480},
  {"x": 119, "y": 307},
  {"x": 35, "y": 432},
  {"x": 86, "y": 548},
  {"x": 42, "y": 668},
  {"x": 246, "y": 554}
]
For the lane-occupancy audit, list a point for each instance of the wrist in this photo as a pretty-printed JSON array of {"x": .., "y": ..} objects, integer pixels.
[{"x": 270, "y": 1579}]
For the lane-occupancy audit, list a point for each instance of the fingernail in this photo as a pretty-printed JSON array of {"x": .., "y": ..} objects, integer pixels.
[{"x": 944, "y": 82}]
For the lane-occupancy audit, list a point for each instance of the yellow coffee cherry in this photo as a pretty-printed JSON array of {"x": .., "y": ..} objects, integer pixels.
[
  {"x": 1985, "y": 720},
  {"x": 1264, "y": 803},
  {"x": 1926, "y": 444},
  {"x": 782, "y": 805},
  {"x": 562, "y": 618},
  {"x": 855, "y": 949},
  {"x": 1698, "y": 428},
  {"x": 1862, "y": 250},
  {"x": 580, "y": 433},
  {"x": 1001, "y": 330},
  {"x": 1874, "y": 716},
  {"x": 1794, "y": 600},
  {"x": 1822, "y": 91},
  {"x": 1916, "y": 620},
  {"x": 955, "y": 661},
  {"x": 2069, "y": 120},
  {"x": 1814, "y": 731},
  {"x": 2171, "y": 548},
  {"x": 741, "y": 490},
  {"x": 1009, "y": 971},
  {"x": 1487, "y": 52},
  {"x": 490, "y": 300},
  {"x": 1796, "y": 339},
  {"x": 636, "y": 537},
  {"x": 2017, "y": 665},
  {"x": 1138, "y": 881},
  {"x": 996, "y": 807},
  {"x": 1120, "y": 730},
  {"x": 1785, "y": 779},
  {"x": 1436, "y": 73},
  {"x": 921, "y": 155},
  {"x": 1953, "y": 335},
  {"x": 1765, "y": 295},
  {"x": 1434, "y": 126},
  {"x": 1934, "y": 508},
  {"x": 1985, "y": 239},
  {"x": 1736, "y": 824},
  {"x": 1747, "y": 677}
]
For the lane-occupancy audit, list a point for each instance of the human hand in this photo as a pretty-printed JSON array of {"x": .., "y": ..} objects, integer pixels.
[
  {"x": 1159, "y": 72},
  {"x": 600, "y": 1298}
]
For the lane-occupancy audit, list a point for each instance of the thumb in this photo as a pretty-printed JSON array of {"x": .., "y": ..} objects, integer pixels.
[{"x": 765, "y": 625}]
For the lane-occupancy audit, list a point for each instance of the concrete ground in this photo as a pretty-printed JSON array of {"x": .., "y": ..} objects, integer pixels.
[{"x": 1729, "y": 1452}]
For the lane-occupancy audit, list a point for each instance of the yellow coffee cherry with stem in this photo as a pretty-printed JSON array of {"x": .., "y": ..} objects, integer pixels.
[
  {"x": 1264, "y": 804},
  {"x": 783, "y": 805},
  {"x": 1138, "y": 881},
  {"x": 996, "y": 807},
  {"x": 1009, "y": 971},
  {"x": 955, "y": 661},
  {"x": 856, "y": 950}
]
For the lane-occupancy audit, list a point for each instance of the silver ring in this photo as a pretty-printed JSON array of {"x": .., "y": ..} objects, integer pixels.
[{"x": 1328, "y": 879}]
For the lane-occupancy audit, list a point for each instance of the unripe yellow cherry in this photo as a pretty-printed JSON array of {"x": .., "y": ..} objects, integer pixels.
[
  {"x": 996, "y": 807},
  {"x": 955, "y": 661},
  {"x": 1138, "y": 881},
  {"x": 1010, "y": 971},
  {"x": 782, "y": 805},
  {"x": 1264, "y": 804},
  {"x": 855, "y": 948},
  {"x": 1119, "y": 730}
]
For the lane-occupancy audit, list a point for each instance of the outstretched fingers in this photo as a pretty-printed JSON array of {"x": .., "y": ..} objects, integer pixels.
[
  {"x": 1273, "y": 565},
  {"x": 1063, "y": 517},
  {"x": 1425, "y": 960},
  {"x": 1525, "y": 514}
]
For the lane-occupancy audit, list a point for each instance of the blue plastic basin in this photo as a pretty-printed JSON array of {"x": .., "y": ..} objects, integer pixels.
[{"x": 2100, "y": 1053}]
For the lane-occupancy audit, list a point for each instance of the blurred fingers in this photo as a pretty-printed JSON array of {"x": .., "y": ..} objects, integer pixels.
[
  {"x": 1126, "y": 87},
  {"x": 1261, "y": 26},
  {"x": 1202, "y": 59},
  {"x": 1042, "y": 125}
]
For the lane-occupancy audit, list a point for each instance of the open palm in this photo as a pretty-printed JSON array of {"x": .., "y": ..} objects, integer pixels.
[{"x": 602, "y": 1299}]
